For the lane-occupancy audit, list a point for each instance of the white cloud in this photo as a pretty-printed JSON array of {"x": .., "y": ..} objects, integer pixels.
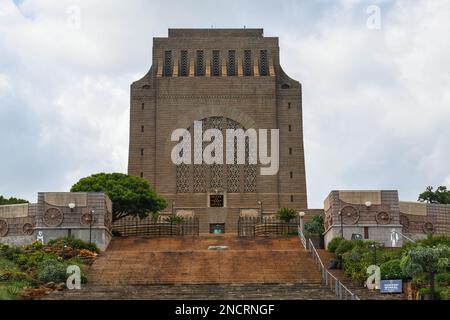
[{"x": 5, "y": 84}]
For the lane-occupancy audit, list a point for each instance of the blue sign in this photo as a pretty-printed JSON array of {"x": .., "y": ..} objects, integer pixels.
[{"x": 391, "y": 286}]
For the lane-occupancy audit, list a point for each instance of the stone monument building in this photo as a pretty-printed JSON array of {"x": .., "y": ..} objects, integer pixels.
[{"x": 228, "y": 79}]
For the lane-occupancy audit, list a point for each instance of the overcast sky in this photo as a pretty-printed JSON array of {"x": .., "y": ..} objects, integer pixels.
[{"x": 376, "y": 101}]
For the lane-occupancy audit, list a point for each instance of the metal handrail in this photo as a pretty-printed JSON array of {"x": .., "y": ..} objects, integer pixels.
[
  {"x": 302, "y": 237},
  {"x": 334, "y": 284}
]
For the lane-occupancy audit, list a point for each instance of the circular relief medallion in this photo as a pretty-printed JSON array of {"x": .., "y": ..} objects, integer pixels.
[
  {"x": 86, "y": 219},
  {"x": 383, "y": 217},
  {"x": 404, "y": 221},
  {"x": 350, "y": 215},
  {"x": 3, "y": 228},
  {"x": 27, "y": 229},
  {"x": 428, "y": 227},
  {"x": 53, "y": 217}
]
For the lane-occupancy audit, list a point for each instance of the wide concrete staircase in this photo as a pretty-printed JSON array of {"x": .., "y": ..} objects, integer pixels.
[{"x": 188, "y": 268}]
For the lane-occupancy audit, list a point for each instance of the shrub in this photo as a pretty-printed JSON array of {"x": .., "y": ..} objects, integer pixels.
[
  {"x": 343, "y": 247},
  {"x": 74, "y": 243},
  {"x": 391, "y": 270},
  {"x": 315, "y": 226},
  {"x": 175, "y": 219},
  {"x": 155, "y": 216},
  {"x": 334, "y": 243},
  {"x": 37, "y": 245},
  {"x": 286, "y": 214},
  {"x": 52, "y": 271},
  {"x": 9, "y": 252},
  {"x": 445, "y": 293},
  {"x": 442, "y": 279},
  {"x": 434, "y": 240},
  {"x": 355, "y": 263}
]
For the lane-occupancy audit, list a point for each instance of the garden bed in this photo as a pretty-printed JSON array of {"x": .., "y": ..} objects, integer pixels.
[{"x": 31, "y": 271}]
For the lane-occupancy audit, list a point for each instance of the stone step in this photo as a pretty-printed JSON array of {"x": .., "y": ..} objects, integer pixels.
[{"x": 306, "y": 291}]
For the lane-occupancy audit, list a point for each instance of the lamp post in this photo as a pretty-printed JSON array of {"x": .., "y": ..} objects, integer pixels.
[
  {"x": 260, "y": 208},
  {"x": 91, "y": 218},
  {"x": 374, "y": 247},
  {"x": 342, "y": 225},
  {"x": 71, "y": 206},
  {"x": 301, "y": 214}
]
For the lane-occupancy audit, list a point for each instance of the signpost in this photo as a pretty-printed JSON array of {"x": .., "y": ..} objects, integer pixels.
[{"x": 391, "y": 286}]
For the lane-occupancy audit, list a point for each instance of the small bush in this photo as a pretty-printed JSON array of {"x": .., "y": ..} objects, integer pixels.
[
  {"x": 355, "y": 263},
  {"x": 334, "y": 243},
  {"x": 391, "y": 270},
  {"x": 286, "y": 214},
  {"x": 175, "y": 219},
  {"x": 315, "y": 226},
  {"x": 445, "y": 293},
  {"x": 434, "y": 240},
  {"x": 37, "y": 245},
  {"x": 343, "y": 247},
  {"x": 52, "y": 271},
  {"x": 442, "y": 279},
  {"x": 74, "y": 243}
]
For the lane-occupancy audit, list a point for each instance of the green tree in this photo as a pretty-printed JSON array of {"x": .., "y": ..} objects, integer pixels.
[
  {"x": 426, "y": 261},
  {"x": 315, "y": 226},
  {"x": 441, "y": 195},
  {"x": 130, "y": 195},
  {"x": 286, "y": 214},
  {"x": 6, "y": 201}
]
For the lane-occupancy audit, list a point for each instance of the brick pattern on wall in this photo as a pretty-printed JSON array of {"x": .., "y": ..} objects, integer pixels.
[
  {"x": 437, "y": 220},
  {"x": 254, "y": 101}
]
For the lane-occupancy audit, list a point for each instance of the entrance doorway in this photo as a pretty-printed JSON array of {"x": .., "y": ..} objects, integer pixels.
[{"x": 217, "y": 228}]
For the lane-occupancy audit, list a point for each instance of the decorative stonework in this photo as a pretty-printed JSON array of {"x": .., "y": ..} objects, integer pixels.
[
  {"x": 86, "y": 219},
  {"x": 27, "y": 229},
  {"x": 53, "y": 217},
  {"x": 216, "y": 176},
  {"x": 350, "y": 215},
  {"x": 250, "y": 178},
  {"x": 404, "y": 221},
  {"x": 428, "y": 227},
  {"x": 200, "y": 177},
  {"x": 183, "y": 185},
  {"x": 383, "y": 218},
  {"x": 3, "y": 228}
]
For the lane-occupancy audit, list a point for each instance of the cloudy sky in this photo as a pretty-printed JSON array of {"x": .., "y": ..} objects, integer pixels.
[{"x": 376, "y": 92}]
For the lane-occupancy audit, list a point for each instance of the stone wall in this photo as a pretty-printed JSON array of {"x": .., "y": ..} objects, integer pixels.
[
  {"x": 53, "y": 218},
  {"x": 371, "y": 214},
  {"x": 419, "y": 219},
  {"x": 160, "y": 104},
  {"x": 17, "y": 223}
]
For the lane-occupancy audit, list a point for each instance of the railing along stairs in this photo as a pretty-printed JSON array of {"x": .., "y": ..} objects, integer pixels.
[{"x": 339, "y": 289}]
